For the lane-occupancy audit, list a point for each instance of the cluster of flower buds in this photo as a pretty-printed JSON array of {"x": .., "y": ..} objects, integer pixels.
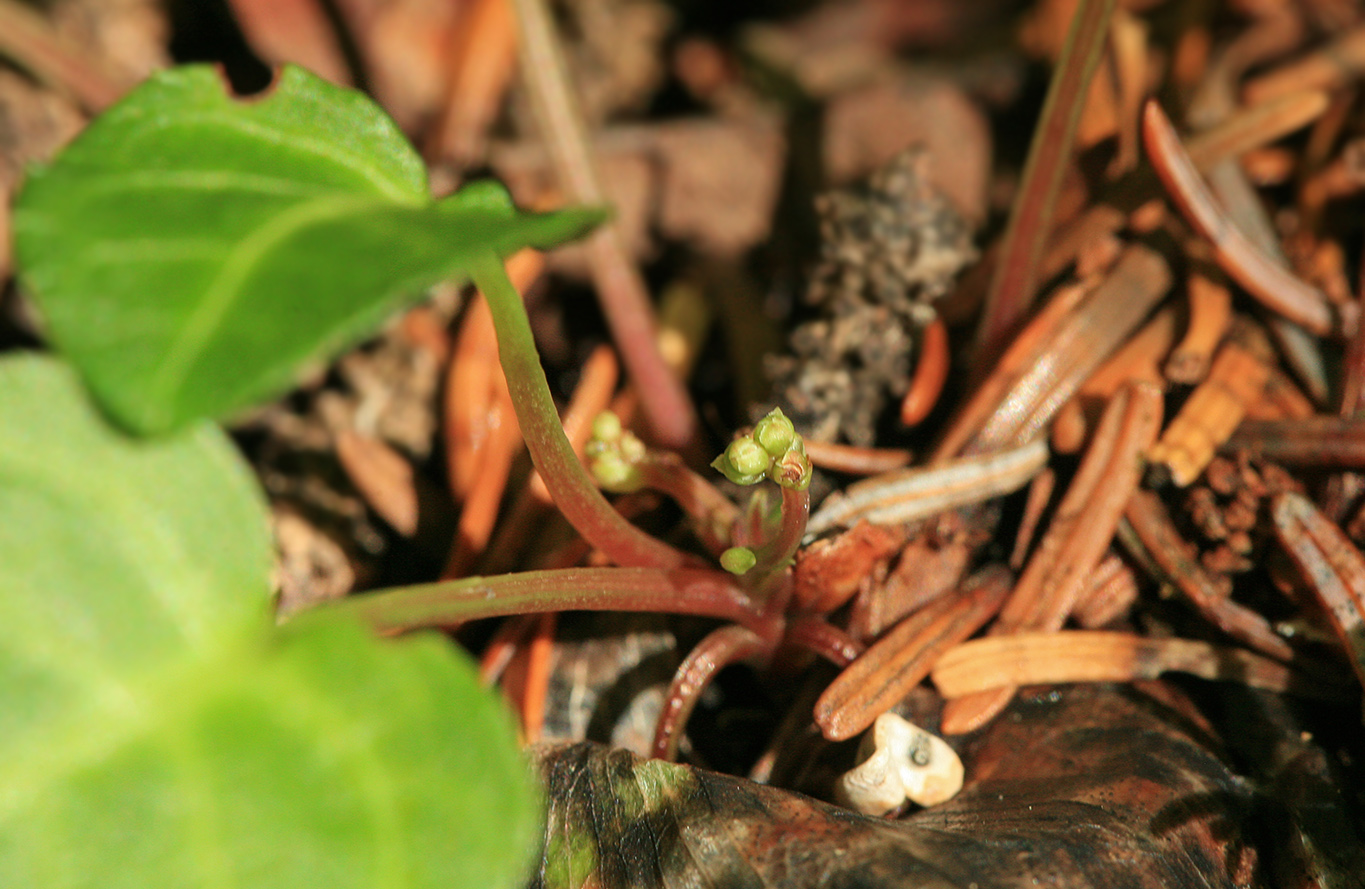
[
  {"x": 614, "y": 455},
  {"x": 772, "y": 450}
]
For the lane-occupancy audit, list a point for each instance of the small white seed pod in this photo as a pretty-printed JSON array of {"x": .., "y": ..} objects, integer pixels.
[{"x": 898, "y": 761}]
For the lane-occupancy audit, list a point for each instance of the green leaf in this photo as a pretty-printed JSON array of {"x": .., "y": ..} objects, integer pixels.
[
  {"x": 157, "y": 730},
  {"x": 191, "y": 252}
]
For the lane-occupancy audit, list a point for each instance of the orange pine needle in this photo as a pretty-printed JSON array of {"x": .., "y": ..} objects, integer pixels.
[
  {"x": 1069, "y": 428},
  {"x": 887, "y": 671},
  {"x": 469, "y": 396},
  {"x": 536, "y": 686},
  {"x": 481, "y": 62},
  {"x": 1128, "y": 55},
  {"x": 930, "y": 374},
  {"x": 1139, "y": 359},
  {"x": 481, "y": 506},
  {"x": 1076, "y": 539},
  {"x": 503, "y": 646},
  {"x": 855, "y": 460},
  {"x": 980, "y": 665},
  {"x": 470, "y": 386},
  {"x": 1210, "y": 314},
  {"x": 1210, "y": 415},
  {"x": 382, "y": 476}
]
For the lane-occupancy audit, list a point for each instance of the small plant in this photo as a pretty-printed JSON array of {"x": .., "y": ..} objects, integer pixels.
[{"x": 189, "y": 255}]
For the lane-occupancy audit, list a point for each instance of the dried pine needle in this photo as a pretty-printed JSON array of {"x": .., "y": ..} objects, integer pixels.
[{"x": 980, "y": 665}]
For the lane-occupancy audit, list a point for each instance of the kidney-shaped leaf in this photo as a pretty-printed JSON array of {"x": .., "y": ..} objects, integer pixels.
[
  {"x": 156, "y": 730},
  {"x": 190, "y": 251}
]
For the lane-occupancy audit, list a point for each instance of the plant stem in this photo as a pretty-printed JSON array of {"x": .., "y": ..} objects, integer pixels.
[
  {"x": 775, "y": 554},
  {"x": 712, "y": 514},
  {"x": 570, "y": 486},
  {"x": 625, "y": 302},
  {"x": 1030, "y": 221},
  {"x": 684, "y": 591},
  {"x": 721, "y": 648}
]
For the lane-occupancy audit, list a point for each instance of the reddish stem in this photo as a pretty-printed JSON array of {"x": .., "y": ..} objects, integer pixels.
[
  {"x": 1030, "y": 222},
  {"x": 817, "y": 635},
  {"x": 621, "y": 289},
  {"x": 570, "y": 486},
  {"x": 683, "y": 591},
  {"x": 778, "y": 552},
  {"x": 720, "y": 649}
]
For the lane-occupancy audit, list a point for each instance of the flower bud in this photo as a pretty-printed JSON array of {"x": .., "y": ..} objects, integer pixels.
[
  {"x": 775, "y": 433},
  {"x": 792, "y": 469},
  {"x": 744, "y": 461},
  {"x": 606, "y": 426},
  {"x": 614, "y": 474},
  {"x": 738, "y": 560}
]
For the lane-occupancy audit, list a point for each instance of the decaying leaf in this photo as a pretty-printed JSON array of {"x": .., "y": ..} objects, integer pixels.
[{"x": 1088, "y": 786}]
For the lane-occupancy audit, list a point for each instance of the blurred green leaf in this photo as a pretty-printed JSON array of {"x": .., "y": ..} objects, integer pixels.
[
  {"x": 157, "y": 730},
  {"x": 190, "y": 252}
]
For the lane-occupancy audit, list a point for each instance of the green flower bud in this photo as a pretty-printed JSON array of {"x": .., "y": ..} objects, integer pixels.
[
  {"x": 792, "y": 469},
  {"x": 615, "y": 474},
  {"x": 738, "y": 559},
  {"x": 775, "y": 433},
  {"x": 606, "y": 426},
  {"x": 632, "y": 449},
  {"x": 743, "y": 462}
]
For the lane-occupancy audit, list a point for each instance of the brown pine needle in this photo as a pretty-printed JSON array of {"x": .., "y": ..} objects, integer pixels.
[
  {"x": 382, "y": 476},
  {"x": 1076, "y": 539},
  {"x": 1024, "y": 352},
  {"x": 1162, "y": 544},
  {"x": 978, "y": 666},
  {"x": 1016, "y": 274},
  {"x": 1321, "y": 441},
  {"x": 1272, "y": 284},
  {"x": 1327, "y": 68},
  {"x": 1077, "y": 346},
  {"x": 668, "y": 409},
  {"x": 26, "y": 37},
  {"x": 888, "y": 670},
  {"x": 1255, "y": 126},
  {"x": 1110, "y": 592},
  {"x": 1332, "y": 566},
  {"x": 1140, "y": 358}
]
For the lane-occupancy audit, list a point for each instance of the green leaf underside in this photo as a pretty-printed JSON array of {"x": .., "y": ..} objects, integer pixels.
[
  {"x": 191, "y": 252},
  {"x": 157, "y": 731}
]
